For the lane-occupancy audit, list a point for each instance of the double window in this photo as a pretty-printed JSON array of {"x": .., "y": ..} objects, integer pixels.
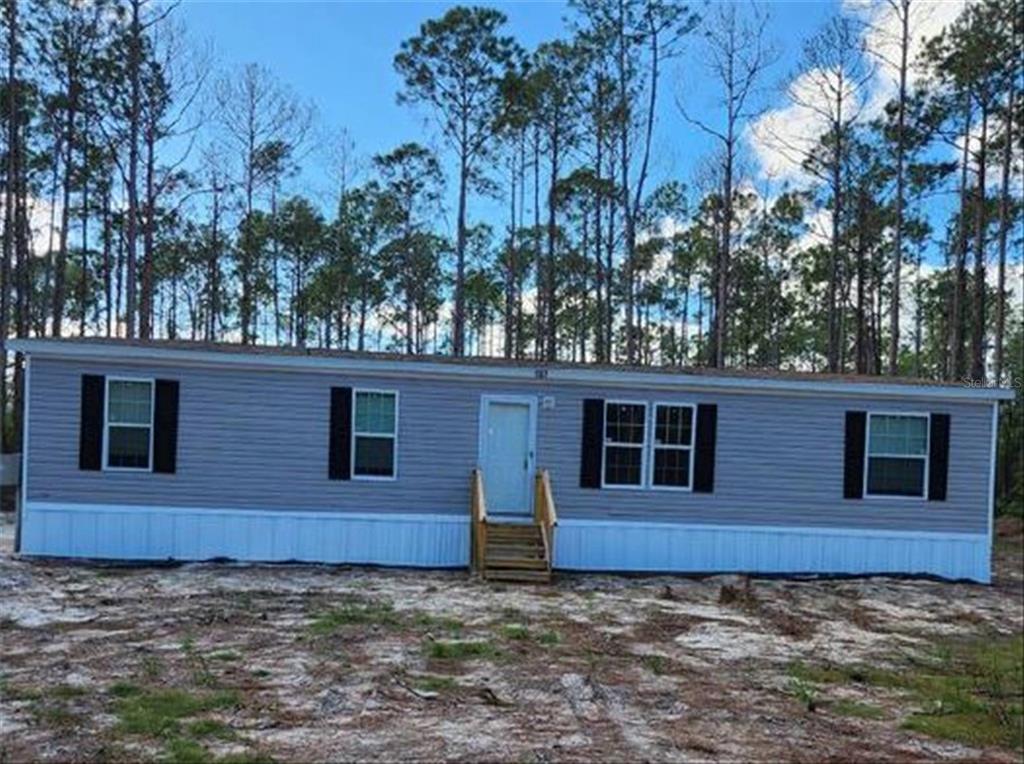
[
  {"x": 374, "y": 434},
  {"x": 644, "y": 449},
  {"x": 897, "y": 455},
  {"x": 128, "y": 424}
]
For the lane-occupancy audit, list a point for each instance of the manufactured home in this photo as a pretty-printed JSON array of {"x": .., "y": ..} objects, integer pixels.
[{"x": 199, "y": 451}]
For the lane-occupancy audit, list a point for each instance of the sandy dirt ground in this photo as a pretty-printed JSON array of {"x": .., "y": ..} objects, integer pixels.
[{"x": 337, "y": 663}]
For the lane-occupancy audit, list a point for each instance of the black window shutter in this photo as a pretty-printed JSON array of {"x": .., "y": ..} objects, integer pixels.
[
  {"x": 593, "y": 440},
  {"x": 704, "y": 457},
  {"x": 90, "y": 430},
  {"x": 339, "y": 465},
  {"x": 938, "y": 457},
  {"x": 853, "y": 461},
  {"x": 165, "y": 426}
]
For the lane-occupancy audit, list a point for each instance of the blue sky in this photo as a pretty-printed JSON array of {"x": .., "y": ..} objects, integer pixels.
[{"x": 339, "y": 56}]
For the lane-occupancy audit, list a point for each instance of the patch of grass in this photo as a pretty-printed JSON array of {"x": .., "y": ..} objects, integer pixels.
[
  {"x": 434, "y": 683},
  {"x": 65, "y": 692},
  {"x": 159, "y": 712},
  {"x": 804, "y": 692},
  {"x": 214, "y": 728},
  {"x": 969, "y": 728},
  {"x": 152, "y": 667},
  {"x": 182, "y": 750},
  {"x": 443, "y": 623},
  {"x": 10, "y": 691},
  {"x": 549, "y": 637},
  {"x": 856, "y": 709},
  {"x": 970, "y": 691},
  {"x": 354, "y": 612},
  {"x": 55, "y": 715},
  {"x": 515, "y": 631},
  {"x": 460, "y": 650},
  {"x": 260, "y": 673},
  {"x": 124, "y": 690},
  {"x": 656, "y": 664},
  {"x": 846, "y": 674}
]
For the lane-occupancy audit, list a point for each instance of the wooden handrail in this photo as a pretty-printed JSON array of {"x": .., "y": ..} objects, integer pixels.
[
  {"x": 478, "y": 521},
  {"x": 544, "y": 512}
]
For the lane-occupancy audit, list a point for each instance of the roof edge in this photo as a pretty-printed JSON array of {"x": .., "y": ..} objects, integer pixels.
[{"x": 67, "y": 349}]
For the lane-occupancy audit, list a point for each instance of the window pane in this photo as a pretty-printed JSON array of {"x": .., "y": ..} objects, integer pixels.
[
  {"x": 622, "y": 465},
  {"x": 899, "y": 435},
  {"x": 375, "y": 456},
  {"x": 129, "y": 402},
  {"x": 128, "y": 447},
  {"x": 673, "y": 425},
  {"x": 672, "y": 467},
  {"x": 896, "y": 477},
  {"x": 624, "y": 423},
  {"x": 375, "y": 412}
]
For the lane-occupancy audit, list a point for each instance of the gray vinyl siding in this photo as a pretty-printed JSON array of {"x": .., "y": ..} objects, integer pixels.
[{"x": 258, "y": 439}]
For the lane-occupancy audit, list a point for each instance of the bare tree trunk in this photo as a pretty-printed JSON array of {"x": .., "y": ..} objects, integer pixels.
[
  {"x": 980, "y": 225},
  {"x": 862, "y": 350},
  {"x": 132, "y": 181},
  {"x": 60, "y": 268},
  {"x": 1004, "y": 226},
  {"x": 213, "y": 270},
  {"x": 538, "y": 257},
  {"x": 834, "y": 331},
  {"x": 83, "y": 278},
  {"x": 459, "y": 317},
  {"x": 275, "y": 266},
  {"x": 510, "y": 263},
  {"x": 956, "y": 339},
  {"x": 897, "y": 255},
  {"x": 550, "y": 339},
  {"x": 108, "y": 284},
  {"x": 10, "y": 219},
  {"x": 149, "y": 221}
]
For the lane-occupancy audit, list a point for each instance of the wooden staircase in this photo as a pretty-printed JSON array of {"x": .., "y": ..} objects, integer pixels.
[
  {"x": 516, "y": 552},
  {"x": 519, "y": 552}
]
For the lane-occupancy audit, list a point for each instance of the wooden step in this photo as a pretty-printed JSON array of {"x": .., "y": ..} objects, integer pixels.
[
  {"x": 502, "y": 547},
  {"x": 522, "y": 562},
  {"x": 519, "y": 576},
  {"x": 517, "y": 532}
]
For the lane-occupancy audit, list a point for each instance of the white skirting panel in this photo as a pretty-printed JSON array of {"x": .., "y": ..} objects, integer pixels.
[
  {"x": 97, "y": 531},
  {"x": 599, "y": 545}
]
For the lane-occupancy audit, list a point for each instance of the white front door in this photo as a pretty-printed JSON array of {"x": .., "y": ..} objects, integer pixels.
[{"x": 507, "y": 436}]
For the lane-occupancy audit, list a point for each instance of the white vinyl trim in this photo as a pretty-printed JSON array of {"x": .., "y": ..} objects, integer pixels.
[
  {"x": 107, "y": 424},
  {"x": 642, "y": 446},
  {"x": 655, "y": 447},
  {"x": 25, "y": 431},
  {"x": 355, "y": 435},
  {"x": 134, "y": 509},
  {"x": 180, "y": 357},
  {"x": 993, "y": 453}
]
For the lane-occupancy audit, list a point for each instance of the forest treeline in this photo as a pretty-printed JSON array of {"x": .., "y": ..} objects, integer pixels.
[{"x": 147, "y": 194}]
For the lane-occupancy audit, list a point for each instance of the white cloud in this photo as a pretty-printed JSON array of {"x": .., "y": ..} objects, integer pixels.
[
  {"x": 782, "y": 136},
  {"x": 882, "y": 35}
]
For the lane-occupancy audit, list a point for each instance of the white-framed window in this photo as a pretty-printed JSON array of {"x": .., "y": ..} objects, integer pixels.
[
  {"x": 374, "y": 434},
  {"x": 672, "y": 446},
  {"x": 128, "y": 424},
  {"x": 896, "y": 462},
  {"x": 625, "y": 444}
]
